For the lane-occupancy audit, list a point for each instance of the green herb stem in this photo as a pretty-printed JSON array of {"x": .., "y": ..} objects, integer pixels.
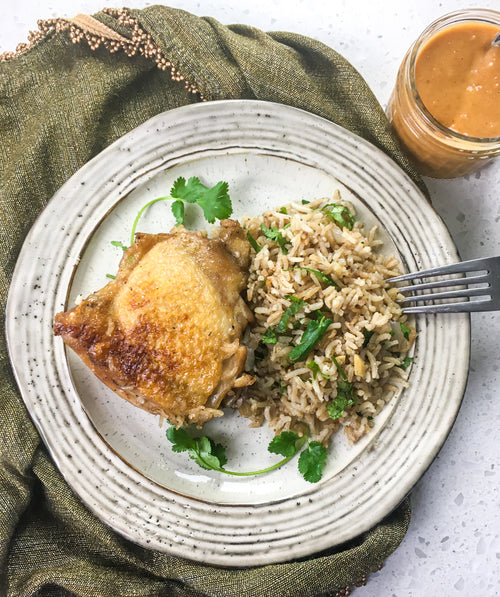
[
  {"x": 139, "y": 215},
  {"x": 262, "y": 471},
  {"x": 339, "y": 368}
]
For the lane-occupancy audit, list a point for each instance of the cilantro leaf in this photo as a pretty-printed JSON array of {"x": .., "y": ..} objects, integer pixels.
[
  {"x": 214, "y": 202},
  {"x": 203, "y": 444},
  {"x": 323, "y": 277},
  {"x": 314, "y": 368},
  {"x": 312, "y": 461},
  {"x": 205, "y": 460},
  {"x": 284, "y": 444},
  {"x": 343, "y": 400},
  {"x": 276, "y": 236},
  {"x": 405, "y": 330},
  {"x": 206, "y": 453},
  {"x": 290, "y": 311},
  {"x": 180, "y": 438},
  {"x": 178, "y": 212},
  {"x": 406, "y": 362},
  {"x": 219, "y": 451},
  {"x": 269, "y": 337},
  {"x": 336, "y": 408},
  {"x": 367, "y": 334},
  {"x": 203, "y": 455},
  {"x": 255, "y": 245},
  {"x": 190, "y": 191},
  {"x": 271, "y": 334},
  {"x": 315, "y": 330},
  {"x": 340, "y": 215}
]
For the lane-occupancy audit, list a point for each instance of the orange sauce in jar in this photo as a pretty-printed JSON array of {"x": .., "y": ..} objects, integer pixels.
[
  {"x": 445, "y": 107},
  {"x": 457, "y": 74}
]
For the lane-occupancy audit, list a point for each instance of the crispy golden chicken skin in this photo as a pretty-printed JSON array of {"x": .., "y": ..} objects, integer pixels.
[{"x": 165, "y": 334}]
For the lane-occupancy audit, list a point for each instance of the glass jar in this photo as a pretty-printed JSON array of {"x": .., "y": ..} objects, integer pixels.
[{"x": 435, "y": 149}]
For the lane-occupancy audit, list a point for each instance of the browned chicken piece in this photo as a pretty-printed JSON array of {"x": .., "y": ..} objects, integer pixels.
[{"x": 165, "y": 334}]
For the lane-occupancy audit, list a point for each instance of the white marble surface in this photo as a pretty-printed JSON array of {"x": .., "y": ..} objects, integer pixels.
[{"x": 453, "y": 545}]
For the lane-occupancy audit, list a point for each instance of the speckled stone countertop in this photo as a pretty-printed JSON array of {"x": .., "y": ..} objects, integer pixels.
[{"x": 453, "y": 545}]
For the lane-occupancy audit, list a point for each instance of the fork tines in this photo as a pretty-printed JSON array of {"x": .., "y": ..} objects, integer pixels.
[{"x": 485, "y": 272}]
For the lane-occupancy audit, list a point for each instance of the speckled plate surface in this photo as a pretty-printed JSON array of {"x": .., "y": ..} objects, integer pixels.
[{"x": 116, "y": 457}]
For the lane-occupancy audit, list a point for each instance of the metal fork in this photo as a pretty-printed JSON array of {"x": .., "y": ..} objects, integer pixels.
[{"x": 481, "y": 271}]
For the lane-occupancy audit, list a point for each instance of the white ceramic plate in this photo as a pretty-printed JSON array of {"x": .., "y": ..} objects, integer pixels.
[{"x": 116, "y": 457}]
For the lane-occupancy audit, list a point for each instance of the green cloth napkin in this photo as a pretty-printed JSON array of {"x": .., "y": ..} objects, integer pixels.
[{"x": 63, "y": 99}]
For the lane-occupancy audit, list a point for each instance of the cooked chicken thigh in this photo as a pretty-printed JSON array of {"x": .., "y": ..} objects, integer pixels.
[{"x": 165, "y": 334}]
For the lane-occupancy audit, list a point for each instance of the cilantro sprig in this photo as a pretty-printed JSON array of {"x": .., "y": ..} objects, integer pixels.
[
  {"x": 340, "y": 215},
  {"x": 345, "y": 394},
  {"x": 343, "y": 400},
  {"x": 276, "y": 236},
  {"x": 210, "y": 455},
  {"x": 214, "y": 201}
]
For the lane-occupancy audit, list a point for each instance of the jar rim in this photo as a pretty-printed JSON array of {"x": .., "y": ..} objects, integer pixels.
[{"x": 448, "y": 20}]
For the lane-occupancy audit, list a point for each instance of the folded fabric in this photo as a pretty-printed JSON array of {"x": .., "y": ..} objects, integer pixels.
[{"x": 76, "y": 87}]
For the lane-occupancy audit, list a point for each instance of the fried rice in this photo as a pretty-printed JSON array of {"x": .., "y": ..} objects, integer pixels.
[{"x": 340, "y": 275}]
